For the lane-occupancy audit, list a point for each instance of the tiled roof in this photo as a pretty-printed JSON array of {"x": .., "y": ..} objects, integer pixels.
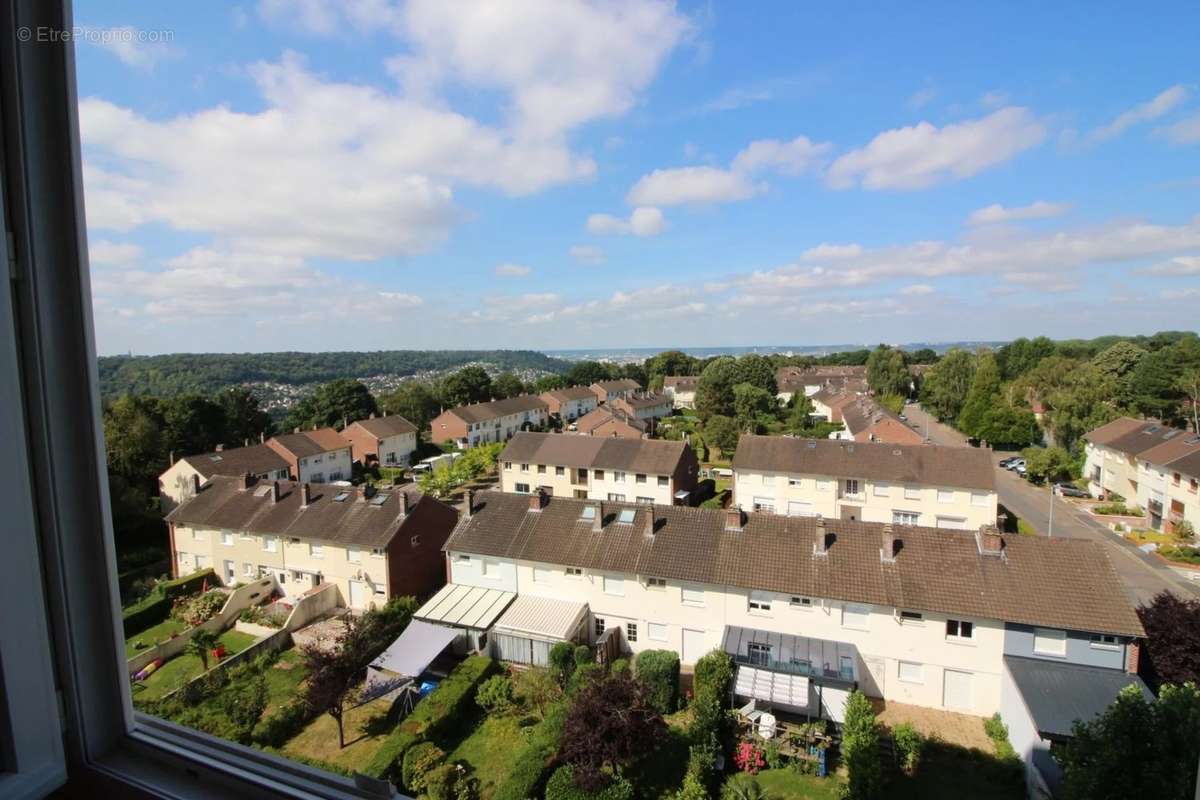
[
  {"x": 311, "y": 443},
  {"x": 929, "y": 465},
  {"x": 571, "y": 393},
  {"x": 602, "y": 414},
  {"x": 482, "y": 412},
  {"x": 257, "y": 459},
  {"x": 1061, "y": 583},
  {"x": 633, "y": 455},
  {"x": 1180, "y": 453},
  {"x": 647, "y": 400},
  {"x": 1132, "y": 436},
  {"x": 865, "y": 418},
  {"x": 686, "y": 383},
  {"x": 390, "y": 425},
  {"x": 222, "y": 503},
  {"x": 619, "y": 385}
]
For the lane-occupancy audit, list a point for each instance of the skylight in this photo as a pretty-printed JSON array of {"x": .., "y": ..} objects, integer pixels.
[
  {"x": 588, "y": 512},
  {"x": 379, "y": 499},
  {"x": 340, "y": 497},
  {"x": 626, "y": 516}
]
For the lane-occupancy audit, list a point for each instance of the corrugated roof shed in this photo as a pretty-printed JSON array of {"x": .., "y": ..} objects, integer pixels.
[
  {"x": 542, "y": 617},
  {"x": 1057, "y": 693}
]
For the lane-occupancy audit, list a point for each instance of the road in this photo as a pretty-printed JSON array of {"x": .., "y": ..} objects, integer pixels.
[{"x": 1144, "y": 575}]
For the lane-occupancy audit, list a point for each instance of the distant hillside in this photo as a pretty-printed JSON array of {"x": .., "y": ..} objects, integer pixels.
[{"x": 205, "y": 373}]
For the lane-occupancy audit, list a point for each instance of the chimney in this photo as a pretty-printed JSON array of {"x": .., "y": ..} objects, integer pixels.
[
  {"x": 172, "y": 457},
  {"x": 820, "y": 541},
  {"x": 195, "y": 485},
  {"x": 733, "y": 518},
  {"x": 404, "y": 504},
  {"x": 648, "y": 521},
  {"x": 537, "y": 499},
  {"x": 887, "y": 550},
  {"x": 262, "y": 437},
  {"x": 1135, "y": 658},
  {"x": 296, "y": 429},
  {"x": 470, "y": 504},
  {"x": 220, "y": 448},
  {"x": 305, "y": 495},
  {"x": 246, "y": 481},
  {"x": 598, "y": 520},
  {"x": 274, "y": 492},
  {"x": 991, "y": 543},
  {"x": 368, "y": 491}
]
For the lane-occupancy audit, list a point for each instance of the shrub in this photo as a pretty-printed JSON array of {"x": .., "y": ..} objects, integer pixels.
[
  {"x": 658, "y": 671},
  {"x": 199, "y": 608},
  {"x": 772, "y": 756},
  {"x": 530, "y": 765},
  {"x": 619, "y": 666},
  {"x": 561, "y": 786},
  {"x": 1184, "y": 530},
  {"x": 584, "y": 655},
  {"x": 562, "y": 661},
  {"x": 708, "y": 716},
  {"x": 714, "y": 670},
  {"x": 908, "y": 746},
  {"x": 420, "y": 759},
  {"x": 282, "y": 724},
  {"x": 495, "y": 695},
  {"x": 154, "y": 607},
  {"x": 860, "y": 748},
  {"x": 1182, "y": 555},
  {"x": 584, "y": 675},
  {"x": 243, "y": 704},
  {"x": 742, "y": 787},
  {"x": 997, "y": 731},
  {"x": 1118, "y": 509}
]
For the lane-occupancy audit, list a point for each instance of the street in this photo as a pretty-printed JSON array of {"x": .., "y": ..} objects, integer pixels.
[{"x": 1144, "y": 575}]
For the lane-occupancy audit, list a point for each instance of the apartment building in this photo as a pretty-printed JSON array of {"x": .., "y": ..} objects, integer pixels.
[
  {"x": 495, "y": 421},
  {"x": 936, "y": 487},
  {"x": 314, "y": 456},
  {"x": 571, "y": 403},
  {"x": 177, "y": 483},
  {"x": 911, "y": 614},
  {"x": 641, "y": 470},
  {"x": 373, "y": 546},
  {"x": 388, "y": 440},
  {"x": 1111, "y": 455},
  {"x": 681, "y": 389},
  {"x": 608, "y": 420},
  {"x": 864, "y": 420},
  {"x": 1169, "y": 483},
  {"x": 607, "y": 391}
]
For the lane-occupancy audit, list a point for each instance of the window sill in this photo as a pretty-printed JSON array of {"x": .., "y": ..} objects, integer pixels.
[
  {"x": 1044, "y": 654},
  {"x": 959, "y": 642}
]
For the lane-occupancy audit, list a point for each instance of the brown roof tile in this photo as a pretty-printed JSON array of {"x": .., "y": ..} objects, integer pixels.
[
  {"x": 257, "y": 459},
  {"x": 619, "y": 385},
  {"x": 686, "y": 383},
  {"x": 390, "y": 425},
  {"x": 311, "y": 443},
  {"x": 571, "y": 393},
  {"x": 482, "y": 412},
  {"x": 1131, "y": 436},
  {"x": 633, "y": 455}
]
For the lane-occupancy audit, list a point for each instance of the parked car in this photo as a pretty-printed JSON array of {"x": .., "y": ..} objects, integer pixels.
[
  {"x": 1016, "y": 465},
  {"x": 1020, "y": 469},
  {"x": 1070, "y": 490},
  {"x": 1005, "y": 463}
]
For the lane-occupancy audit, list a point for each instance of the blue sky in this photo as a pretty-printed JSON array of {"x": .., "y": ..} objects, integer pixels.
[{"x": 555, "y": 174}]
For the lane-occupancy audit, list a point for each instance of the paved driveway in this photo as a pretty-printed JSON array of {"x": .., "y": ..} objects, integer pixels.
[{"x": 1143, "y": 575}]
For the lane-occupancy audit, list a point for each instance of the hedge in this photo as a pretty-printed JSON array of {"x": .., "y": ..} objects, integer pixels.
[
  {"x": 715, "y": 671},
  {"x": 562, "y": 787},
  {"x": 658, "y": 672},
  {"x": 434, "y": 716},
  {"x": 154, "y": 607},
  {"x": 283, "y": 723},
  {"x": 531, "y": 766}
]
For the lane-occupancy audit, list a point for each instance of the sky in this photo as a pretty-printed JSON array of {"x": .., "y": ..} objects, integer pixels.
[{"x": 554, "y": 174}]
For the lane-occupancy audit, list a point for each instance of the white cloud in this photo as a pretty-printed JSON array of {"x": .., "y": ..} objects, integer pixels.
[
  {"x": 586, "y": 254},
  {"x": 917, "y": 289},
  {"x": 993, "y": 99},
  {"x": 997, "y": 213},
  {"x": 788, "y": 158},
  {"x": 1188, "y": 293},
  {"x": 134, "y": 47},
  {"x": 922, "y": 97},
  {"x": 1186, "y": 131},
  {"x": 102, "y": 252},
  {"x": 1047, "y": 282},
  {"x": 1183, "y": 265},
  {"x": 831, "y": 252},
  {"x": 923, "y": 155},
  {"x": 1152, "y": 109},
  {"x": 643, "y": 221},
  {"x": 512, "y": 270}
]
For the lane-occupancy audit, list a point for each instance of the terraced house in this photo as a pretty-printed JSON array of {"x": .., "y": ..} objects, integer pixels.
[
  {"x": 495, "y": 421},
  {"x": 1169, "y": 483},
  {"x": 372, "y": 545},
  {"x": 607, "y": 391},
  {"x": 571, "y": 403},
  {"x": 812, "y": 608},
  {"x": 178, "y": 483},
  {"x": 901, "y": 484},
  {"x": 637, "y": 470},
  {"x": 388, "y": 440},
  {"x": 681, "y": 389},
  {"x": 314, "y": 456},
  {"x": 1148, "y": 464}
]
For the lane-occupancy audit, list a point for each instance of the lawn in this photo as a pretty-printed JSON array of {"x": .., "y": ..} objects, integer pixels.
[
  {"x": 949, "y": 772},
  {"x": 787, "y": 783},
  {"x": 1141, "y": 537},
  {"x": 366, "y": 728},
  {"x": 661, "y": 772},
  {"x": 283, "y": 679},
  {"x": 153, "y": 635},
  {"x": 184, "y": 667},
  {"x": 489, "y": 749}
]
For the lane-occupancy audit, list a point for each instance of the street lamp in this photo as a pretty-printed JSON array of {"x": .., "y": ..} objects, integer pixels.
[{"x": 1050, "y": 527}]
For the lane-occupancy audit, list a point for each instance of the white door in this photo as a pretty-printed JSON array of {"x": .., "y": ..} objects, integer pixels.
[
  {"x": 359, "y": 594},
  {"x": 229, "y": 572},
  {"x": 281, "y": 581},
  {"x": 693, "y": 645},
  {"x": 956, "y": 690}
]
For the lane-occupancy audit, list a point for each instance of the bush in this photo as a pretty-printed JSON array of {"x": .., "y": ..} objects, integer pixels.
[
  {"x": 714, "y": 670},
  {"x": 619, "y": 666},
  {"x": 584, "y": 655},
  {"x": 281, "y": 725},
  {"x": 562, "y": 661},
  {"x": 908, "y": 746},
  {"x": 1118, "y": 510},
  {"x": 997, "y": 731},
  {"x": 584, "y": 675},
  {"x": 530, "y": 765},
  {"x": 658, "y": 671},
  {"x": 708, "y": 716},
  {"x": 495, "y": 695},
  {"x": 1182, "y": 555},
  {"x": 199, "y": 608},
  {"x": 561, "y": 786},
  {"x": 154, "y": 607},
  {"x": 860, "y": 748},
  {"x": 420, "y": 759}
]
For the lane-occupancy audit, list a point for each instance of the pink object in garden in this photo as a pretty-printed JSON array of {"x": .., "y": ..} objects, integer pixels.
[{"x": 749, "y": 758}]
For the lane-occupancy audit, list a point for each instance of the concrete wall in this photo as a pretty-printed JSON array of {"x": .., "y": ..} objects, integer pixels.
[
  {"x": 1018, "y": 641},
  {"x": 1034, "y": 751}
]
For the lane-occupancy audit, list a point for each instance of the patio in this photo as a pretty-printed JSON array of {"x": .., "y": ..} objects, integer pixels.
[{"x": 323, "y": 633}]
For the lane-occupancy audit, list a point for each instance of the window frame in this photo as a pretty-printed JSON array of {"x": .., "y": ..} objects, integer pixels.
[
  {"x": 958, "y": 636},
  {"x": 920, "y": 669},
  {"x": 1055, "y": 635}
]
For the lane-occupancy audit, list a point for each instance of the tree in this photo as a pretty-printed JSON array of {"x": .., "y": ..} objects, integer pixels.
[
  {"x": 1081, "y": 402},
  {"x": 722, "y": 432},
  {"x": 507, "y": 385},
  {"x": 244, "y": 419},
  {"x": 548, "y": 383},
  {"x": 1156, "y": 380},
  {"x": 133, "y": 439},
  {"x": 925, "y": 355},
  {"x": 860, "y": 748},
  {"x": 585, "y": 373},
  {"x": 1021, "y": 355},
  {"x": 753, "y": 406},
  {"x": 1008, "y": 426},
  {"x": 332, "y": 404},
  {"x": 1047, "y": 463},
  {"x": 1188, "y": 385},
  {"x": 983, "y": 394},
  {"x": 671, "y": 362},
  {"x": 1117, "y": 363},
  {"x": 609, "y": 724},
  {"x": 193, "y": 424},
  {"x": 887, "y": 373},
  {"x": 201, "y": 643},
  {"x": 758, "y": 371},
  {"x": 1136, "y": 748},
  {"x": 537, "y": 688},
  {"x": 714, "y": 390},
  {"x": 800, "y": 409},
  {"x": 468, "y": 385},
  {"x": 413, "y": 400},
  {"x": 946, "y": 384},
  {"x": 1172, "y": 639}
]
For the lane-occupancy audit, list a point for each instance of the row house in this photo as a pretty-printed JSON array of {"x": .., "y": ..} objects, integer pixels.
[
  {"x": 1111, "y": 455},
  {"x": 608, "y": 420},
  {"x": 809, "y": 609},
  {"x": 644, "y": 406},
  {"x": 571, "y": 403},
  {"x": 484, "y": 423},
  {"x": 607, "y": 391},
  {"x": 389, "y": 440},
  {"x": 864, "y": 420},
  {"x": 809, "y": 380},
  {"x": 608, "y": 468},
  {"x": 936, "y": 487},
  {"x": 373, "y": 545},
  {"x": 314, "y": 456},
  {"x": 828, "y": 403},
  {"x": 681, "y": 389},
  {"x": 1169, "y": 482},
  {"x": 178, "y": 482}
]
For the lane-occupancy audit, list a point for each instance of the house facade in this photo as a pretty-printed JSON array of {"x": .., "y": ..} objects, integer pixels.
[
  {"x": 373, "y": 546},
  {"x": 936, "y": 487},
  {"x": 571, "y": 403},
  {"x": 641, "y": 470},
  {"x": 484, "y": 423},
  {"x": 1111, "y": 454},
  {"x": 610, "y": 421},
  {"x": 897, "y": 612},
  {"x": 607, "y": 391},
  {"x": 1169, "y": 483},
  {"x": 388, "y": 440},
  {"x": 646, "y": 407},
  {"x": 317, "y": 456},
  {"x": 177, "y": 483},
  {"x": 864, "y": 420},
  {"x": 681, "y": 389},
  {"x": 810, "y": 380}
]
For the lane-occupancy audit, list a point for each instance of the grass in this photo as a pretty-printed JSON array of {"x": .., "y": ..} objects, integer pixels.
[
  {"x": 661, "y": 772},
  {"x": 950, "y": 772},
  {"x": 787, "y": 783},
  {"x": 489, "y": 749},
  {"x": 184, "y": 667},
  {"x": 1025, "y": 529},
  {"x": 1141, "y": 537},
  {"x": 283, "y": 683},
  {"x": 153, "y": 635},
  {"x": 366, "y": 729}
]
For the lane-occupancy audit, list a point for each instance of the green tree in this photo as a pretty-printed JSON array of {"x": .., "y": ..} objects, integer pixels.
[
  {"x": 244, "y": 418},
  {"x": 983, "y": 394},
  {"x": 1082, "y": 401},
  {"x": 1188, "y": 384},
  {"x": 1021, "y": 355},
  {"x": 332, "y": 404},
  {"x": 799, "y": 411},
  {"x": 200, "y": 644},
  {"x": 548, "y": 383},
  {"x": 671, "y": 362},
  {"x": 752, "y": 406},
  {"x": 714, "y": 390},
  {"x": 946, "y": 384},
  {"x": 758, "y": 371},
  {"x": 585, "y": 373},
  {"x": 860, "y": 748},
  {"x": 887, "y": 373},
  {"x": 1156, "y": 380},
  {"x": 722, "y": 433},
  {"x": 1136, "y": 748},
  {"x": 468, "y": 385},
  {"x": 1117, "y": 363},
  {"x": 1047, "y": 463},
  {"x": 413, "y": 400},
  {"x": 193, "y": 424},
  {"x": 507, "y": 385},
  {"x": 1005, "y": 425},
  {"x": 133, "y": 439}
]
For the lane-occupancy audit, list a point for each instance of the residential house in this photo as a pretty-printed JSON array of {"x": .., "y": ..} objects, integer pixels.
[
  {"x": 1168, "y": 482},
  {"x": 809, "y": 380},
  {"x": 373, "y": 545},
  {"x": 611, "y": 421},
  {"x": 646, "y": 407},
  {"x": 828, "y": 403},
  {"x": 1111, "y": 455},
  {"x": 388, "y": 440},
  {"x": 314, "y": 456},
  {"x": 495, "y": 421},
  {"x": 681, "y": 389},
  {"x": 902, "y": 484},
  {"x": 571, "y": 403},
  {"x": 641, "y": 470},
  {"x": 177, "y": 483},
  {"x": 607, "y": 391},
  {"x": 810, "y": 609},
  {"x": 864, "y": 420}
]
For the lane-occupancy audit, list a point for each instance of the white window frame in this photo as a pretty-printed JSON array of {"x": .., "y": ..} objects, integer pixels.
[
  {"x": 960, "y": 637},
  {"x": 227, "y": 538},
  {"x": 1098, "y": 641},
  {"x": 850, "y": 611},
  {"x": 913, "y": 667},
  {"x": 270, "y": 544},
  {"x": 573, "y": 572},
  {"x": 692, "y": 596},
  {"x": 658, "y": 631},
  {"x": 900, "y": 517},
  {"x": 541, "y": 574},
  {"x": 489, "y": 568},
  {"x": 658, "y": 584},
  {"x": 316, "y": 550},
  {"x": 946, "y": 496},
  {"x": 802, "y": 603},
  {"x": 881, "y": 489},
  {"x": 912, "y": 492},
  {"x": 1053, "y": 642},
  {"x": 980, "y": 499},
  {"x": 612, "y": 585},
  {"x": 759, "y": 602},
  {"x": 796, "y": 482},
  {"x": 354, "y": 555},
  {"x": 853, "y": 487}
]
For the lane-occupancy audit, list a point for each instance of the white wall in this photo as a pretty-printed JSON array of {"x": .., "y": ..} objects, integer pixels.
[
  {"x": 331, "y": 466},
  {"x": 397, "y": 449},
  {"x": 511, "y": 474}
]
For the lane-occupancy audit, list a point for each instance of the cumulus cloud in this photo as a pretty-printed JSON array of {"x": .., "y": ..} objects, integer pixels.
[
  {"x": 1162, "y": 103},
  {"x": 1186, "y": 131},
  {"x": 831, "y": 252},
  {"x": 997, "y": 213},
  {"x": 643, "y": 221},
  {"x": 1182, "y": 293},
  {"x": 512, "y": 270},
  {"x": 102, "y": 252},
  {"x": 922, "y": 155},
  {"x": 133, "y": 47},
  {"x": 1182, "y": 265},
  {"x": 917, "y": 289},
  {"x": 586, "y": 254}
]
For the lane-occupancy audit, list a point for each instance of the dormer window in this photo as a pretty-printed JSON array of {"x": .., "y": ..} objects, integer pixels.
[{"x": 587, "y": 513}]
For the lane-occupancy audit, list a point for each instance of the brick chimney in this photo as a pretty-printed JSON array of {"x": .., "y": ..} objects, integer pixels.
[
  {"x": 888, "y": 545},
  {"x": 274, "y": 492},
  {"x": 246, "y": 481},
  {"x": 1134, "y": 658},
  {"x": 734, "y": 521},
  {"x": 990, "y": 542},
  {"x": 537, "y": 499},
  {"x": 404, "y": 504},
  {"x": 305, "y": 495},
  {"x": 648, "y": 521},
  {"x": 195, "y": 485},
  {"x": 470, "y": 504},
  {"x": 220, "y": 448},
  {"x": 821, "y": 539},
  {"x": 598, "y": 520}
]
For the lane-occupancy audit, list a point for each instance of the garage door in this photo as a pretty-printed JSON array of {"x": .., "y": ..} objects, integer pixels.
[
  {"x": 956, "y": 690},
  {"x": 359, "y": 595},
  {"x": 693, "y": 646},
  {"x": 953, "y": 523}
]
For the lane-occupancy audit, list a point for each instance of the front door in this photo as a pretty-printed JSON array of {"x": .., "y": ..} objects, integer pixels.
[
  {"x": 956, "y": 690},
  {"x": 281, "y": 580},
  {"x": 359, "y": 595},
  {"x": 693, "y": 645},
  {"x": 230, "y": 575}
]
